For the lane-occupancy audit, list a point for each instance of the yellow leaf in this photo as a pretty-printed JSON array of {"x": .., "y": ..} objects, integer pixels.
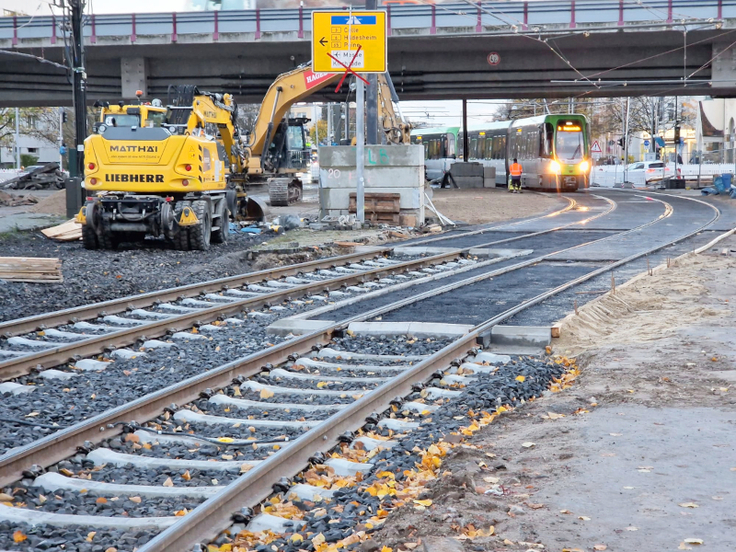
[
  {"x": 319, "y": 539},
  {"x": 225, "y": 439},
  {"x": 91, "y": 535},
  {"x": 688, "y": 505},
  {"x": 168, "y": 482},
  {"x": 599, "y": 547},
  {"x": 18, "y": 536},
  {"x": 296, "y": 537},
  {"x": 520, "y": 378},
  {"x": 693, "y": 541},
  {"x": 135, "y": 499},
  {"x": 266, "y": 394},
  {"x": 181, "y": 513},
  {"x": 387, "y": 549},
  {"x": 186, "y": 476},
  {"x": 427, "y": 502}
]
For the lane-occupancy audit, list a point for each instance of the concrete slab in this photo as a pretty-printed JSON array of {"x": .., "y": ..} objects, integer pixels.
[
  {"x": 515, "y": 340},
  {"x": 416, "y": 329},
  {"x": 293, "y": 326}
]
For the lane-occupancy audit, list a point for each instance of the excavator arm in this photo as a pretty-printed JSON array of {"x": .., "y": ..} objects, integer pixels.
[
  {"x": 396, "y": 129},
  {"x": 286, "y": 90}
]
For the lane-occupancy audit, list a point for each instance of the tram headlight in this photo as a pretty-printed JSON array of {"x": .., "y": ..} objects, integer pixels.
[
  {"x": 584, "y": 166},
  {"x": 555, "y": 167}
]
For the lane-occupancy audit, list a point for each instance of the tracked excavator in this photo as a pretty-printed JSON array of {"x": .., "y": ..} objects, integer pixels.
[{"x": 180, "y": 170}]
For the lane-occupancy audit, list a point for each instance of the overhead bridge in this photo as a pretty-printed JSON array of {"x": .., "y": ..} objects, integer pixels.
[{"x": 457, "y": 50}]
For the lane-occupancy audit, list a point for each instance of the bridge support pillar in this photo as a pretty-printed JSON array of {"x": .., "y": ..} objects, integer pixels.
[
  {"x": 134, "y": 75},
  {"x": 723, "y": 72}
]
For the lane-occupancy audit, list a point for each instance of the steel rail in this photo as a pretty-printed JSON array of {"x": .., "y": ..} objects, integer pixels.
[
  {"x": 28, "y": 324},
  {"x": 61, "y": 444},
  {"x": 23, "y": 365},
  {"x": 211, "y": 517},
  {"x": 19, "y": 326}
]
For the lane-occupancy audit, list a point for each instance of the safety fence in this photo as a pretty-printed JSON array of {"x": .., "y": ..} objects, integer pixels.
[{"x": 608, "y": 175}]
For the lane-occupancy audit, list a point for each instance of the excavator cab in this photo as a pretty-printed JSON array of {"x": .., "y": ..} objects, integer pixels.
[{"x": 288, "y": 152}]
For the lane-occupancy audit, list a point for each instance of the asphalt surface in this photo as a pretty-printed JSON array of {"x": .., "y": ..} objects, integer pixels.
[{"x": 639, "y": 221}]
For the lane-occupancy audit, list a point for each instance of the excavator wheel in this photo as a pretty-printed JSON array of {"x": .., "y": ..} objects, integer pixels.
[
  {"x": 181, "y": 234},
  {"x": 283, "y": 191},
  {"x": 222, "y": 222},
  {"x": 201, "y": 234}
]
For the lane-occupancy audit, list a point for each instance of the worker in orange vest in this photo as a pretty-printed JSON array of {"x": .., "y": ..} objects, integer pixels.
[{"x": 515, "y": 172}]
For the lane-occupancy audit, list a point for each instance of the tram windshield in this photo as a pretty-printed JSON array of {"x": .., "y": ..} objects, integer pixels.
[{"x": 570, "y": 144}]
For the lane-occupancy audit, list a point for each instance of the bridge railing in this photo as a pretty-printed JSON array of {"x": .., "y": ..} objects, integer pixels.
[{"x": 449, "y": 18}]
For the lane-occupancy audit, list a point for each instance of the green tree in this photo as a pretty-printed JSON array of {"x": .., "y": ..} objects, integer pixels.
[{"x": 318, "y": 132}]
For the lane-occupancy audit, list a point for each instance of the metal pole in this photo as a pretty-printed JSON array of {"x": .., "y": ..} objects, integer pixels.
[
  {"x": 347, "y": 123},
  {"x": 360, "y": 149},
  {"x": 465, "y": 131},
  {"x": 17, "y": 138},
  {"x": 61, "y": 137},
  {"x": 371, "y": 97},
  {"x": 626, "y": 141},
  {"x": 80, "y": 82}
]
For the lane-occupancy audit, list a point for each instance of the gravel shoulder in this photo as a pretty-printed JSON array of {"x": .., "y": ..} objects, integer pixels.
[
  {"x": 92, "y": 276},
  {"x": 637, "y": 455}
]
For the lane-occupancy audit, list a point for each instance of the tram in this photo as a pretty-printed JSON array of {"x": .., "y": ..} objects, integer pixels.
[{"x": 553, "y": 149}]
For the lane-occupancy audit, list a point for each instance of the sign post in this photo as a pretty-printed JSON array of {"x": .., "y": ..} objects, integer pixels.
[{"x": 354, "y": 42}]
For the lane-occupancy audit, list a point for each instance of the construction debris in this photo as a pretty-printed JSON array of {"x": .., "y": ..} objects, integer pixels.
[
  {"x": 30, "y": 269},
  {"x": 70, "y": 230},
  {"x": 38, "y": 177},
  {"x": 7, "y": 200}
]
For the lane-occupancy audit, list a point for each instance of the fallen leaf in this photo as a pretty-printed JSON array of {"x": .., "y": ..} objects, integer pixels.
[
  {"x": 615, "y": 434},
  {"x": 629, "y": 488},
  {"x": 296, "y": 537},
  {"x": 553, "y": 416},
  {"x": 520, "y": 378},
  {"x": 693, "y": 541},
  {"x": 632, "y": 528},
  {"x": 168, "y": 482},
  {"x": 528, "y": 444},
  {"x": 717, "y": 497},
  {"x": 101, "y": 500},
  {"x": 111, "y": 549},
  {"x": 565, "y": 512},
  {"x": 534, "y": 506},
  {"x": 684, "y": 546},
  {"x": 91, "y": 535},
  {"x": 135, "y": 499},
  {"x": 600, "y": 547},
  {"x": 319, "y": 539},
  {"x": 181, "y": 513},
  {"x": 584, "y": 518},
  {"x": 266, "y": 394},
  {"x": 688, "y": 505},
  {"x": 18, "y": 536},
  {"x": 491, "y": 479},
  {"x": 426, "y": 503}
]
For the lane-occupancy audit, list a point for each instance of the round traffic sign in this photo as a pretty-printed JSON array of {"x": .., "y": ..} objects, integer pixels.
[
  {"x": 646, "y": 143},
  {"x": 494, "y": 58}
]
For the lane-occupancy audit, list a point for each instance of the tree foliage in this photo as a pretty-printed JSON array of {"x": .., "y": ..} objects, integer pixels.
[{"x": 318, "y": 132}]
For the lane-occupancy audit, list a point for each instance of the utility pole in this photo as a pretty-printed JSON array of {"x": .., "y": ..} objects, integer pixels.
[
  {"x": 17, "y": 138},
  {"x": 626, "y": 140},
  {"x": 371, "y": 97}
]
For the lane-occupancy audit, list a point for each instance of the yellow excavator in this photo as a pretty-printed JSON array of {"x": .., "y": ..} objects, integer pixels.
[{"x": 179, "y": 170}]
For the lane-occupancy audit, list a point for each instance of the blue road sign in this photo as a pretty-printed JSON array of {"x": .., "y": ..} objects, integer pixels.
[
  {"x": 353, "y": 20},
  {"x": 646, "y": 143}
]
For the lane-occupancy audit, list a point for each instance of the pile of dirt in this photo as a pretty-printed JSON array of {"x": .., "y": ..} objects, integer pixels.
[
  {"x": 648, "y": 308},
  {"x": 7, "y": 200},
  {"x": 55, "y": 204},
  {"x": 484, "y": 205}
]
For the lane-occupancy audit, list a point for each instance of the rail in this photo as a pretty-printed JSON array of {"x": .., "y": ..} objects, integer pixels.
[{"x": 451, "y": 18}]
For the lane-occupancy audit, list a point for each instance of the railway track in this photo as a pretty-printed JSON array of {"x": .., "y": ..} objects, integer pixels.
[{"x": 239, "y": 423}]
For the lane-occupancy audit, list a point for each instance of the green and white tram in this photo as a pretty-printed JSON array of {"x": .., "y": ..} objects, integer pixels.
[{"x": 553, "y": 149}]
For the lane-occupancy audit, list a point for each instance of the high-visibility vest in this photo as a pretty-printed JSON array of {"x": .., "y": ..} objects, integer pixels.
[{"x": 515, "y": 169}]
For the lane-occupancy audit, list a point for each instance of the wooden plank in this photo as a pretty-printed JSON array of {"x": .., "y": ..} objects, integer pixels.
[
  {"x": 30, "y": 269},
  {"x": 68, "y": 231}
]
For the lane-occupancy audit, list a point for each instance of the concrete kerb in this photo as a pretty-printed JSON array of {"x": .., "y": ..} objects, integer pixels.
[{"x": 421, "y": 330}]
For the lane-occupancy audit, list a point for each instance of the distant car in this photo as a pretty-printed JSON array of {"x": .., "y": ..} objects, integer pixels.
[{"x": 652, "y": 171}]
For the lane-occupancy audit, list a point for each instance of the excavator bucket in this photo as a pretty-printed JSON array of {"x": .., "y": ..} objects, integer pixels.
[{"x": 255, "y": 209}]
